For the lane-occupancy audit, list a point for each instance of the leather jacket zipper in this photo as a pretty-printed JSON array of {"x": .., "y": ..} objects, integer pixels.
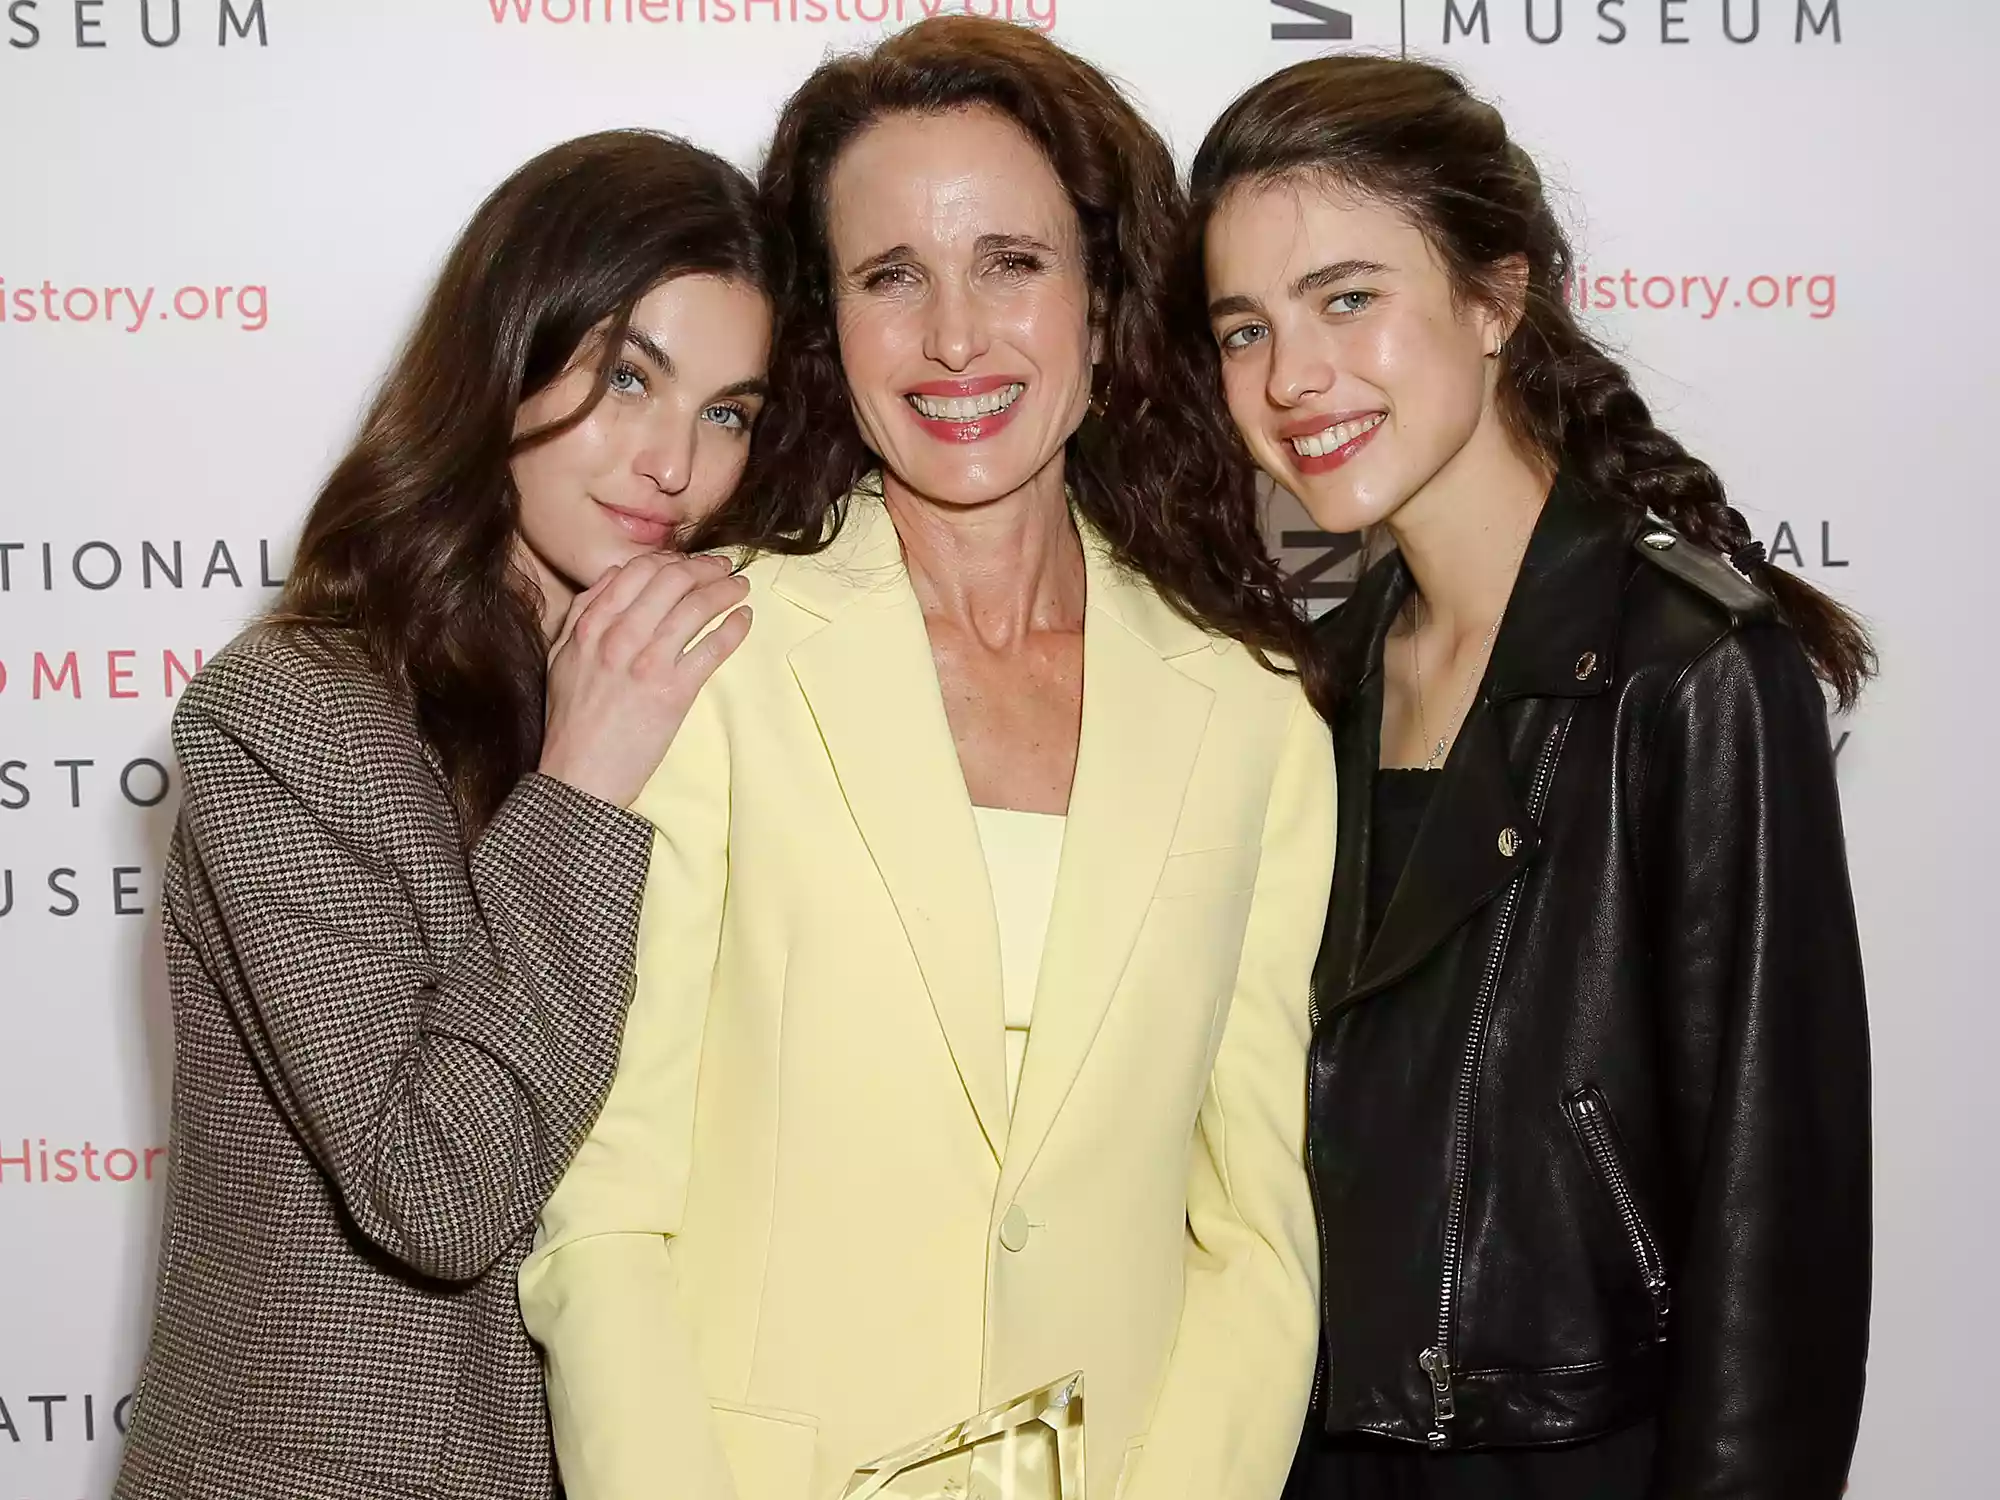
[
  {"x": 1591, "y": 1118},
  {"x": 1435, "y": 1361}
]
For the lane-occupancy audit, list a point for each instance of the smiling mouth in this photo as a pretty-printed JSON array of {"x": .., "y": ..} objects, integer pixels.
[
  {"x": 1339, "y": 435},
  {"x": 966, "y": 408}
]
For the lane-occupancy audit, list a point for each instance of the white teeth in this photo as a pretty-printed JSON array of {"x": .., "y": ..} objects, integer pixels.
[
  {"x": 966, "y": 408},
  {"x": 1337, "y": 436}
]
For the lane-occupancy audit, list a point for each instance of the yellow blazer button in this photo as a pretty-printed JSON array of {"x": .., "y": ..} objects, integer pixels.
[
  {"x": 1510, "y": 842},
  {"x": 1014, "y": 1228}
]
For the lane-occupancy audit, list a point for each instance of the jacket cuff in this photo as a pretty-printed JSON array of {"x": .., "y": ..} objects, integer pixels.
[
  {"x": 549, "y": 841},
  {"x": 576, "y": 860}
]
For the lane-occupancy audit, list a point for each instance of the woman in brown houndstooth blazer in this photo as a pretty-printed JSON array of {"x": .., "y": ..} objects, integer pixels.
[{"x": 402, "y": 897}]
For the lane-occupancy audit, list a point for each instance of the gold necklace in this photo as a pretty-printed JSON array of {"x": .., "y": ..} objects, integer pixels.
[{"x": 1472, "y": 680}]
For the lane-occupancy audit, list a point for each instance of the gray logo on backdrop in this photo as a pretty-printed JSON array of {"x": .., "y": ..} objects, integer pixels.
[
  {"x": 1608, "y": 23},
  {"x": 94, "y": 24},
  {"x": 1614, "y": 23},
  {"x": 1324, "y": 24}
]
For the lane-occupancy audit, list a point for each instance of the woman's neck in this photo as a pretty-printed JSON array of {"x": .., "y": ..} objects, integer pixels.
[
  {"x": 997, "y": 570},
  {"x": 1463, "y": 534}
]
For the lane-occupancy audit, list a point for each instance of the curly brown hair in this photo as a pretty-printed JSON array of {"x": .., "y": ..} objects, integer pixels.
[
  {"x": 1411, "y": 135},
  {"x": 1159, "y": 475}
]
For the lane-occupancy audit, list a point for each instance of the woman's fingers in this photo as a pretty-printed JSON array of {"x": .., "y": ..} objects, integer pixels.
[
  {"x": 668, "y": 583},
  {"x": 689, "y": 617},
  {"x": 628, "y": 664},
  {"x": 699, "y": 661}
]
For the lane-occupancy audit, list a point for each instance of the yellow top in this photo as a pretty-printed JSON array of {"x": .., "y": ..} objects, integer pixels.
[{"x": 1023, "y": 851}]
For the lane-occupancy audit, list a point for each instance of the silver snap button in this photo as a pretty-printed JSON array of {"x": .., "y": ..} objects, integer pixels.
[
  {"x": 1659, "y": 541},
  {"x": 1585, "y": 665}
]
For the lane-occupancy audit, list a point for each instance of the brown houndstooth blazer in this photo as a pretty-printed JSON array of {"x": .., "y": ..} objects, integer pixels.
[{"x": 385, "y": 1053}]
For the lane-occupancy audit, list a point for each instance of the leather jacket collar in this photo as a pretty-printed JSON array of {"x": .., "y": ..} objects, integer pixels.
[
  {"x": 1556, "y": 640},
  {"x": 1564, "y": 605}
]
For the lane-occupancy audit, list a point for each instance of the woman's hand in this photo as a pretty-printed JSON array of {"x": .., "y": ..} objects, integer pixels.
[{"x": 622, "y": 672}]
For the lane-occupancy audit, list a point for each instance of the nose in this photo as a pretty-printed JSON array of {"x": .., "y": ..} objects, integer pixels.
[
  {"x": 666, "y": 457},
  {"x": 954, "y": 333},
  {"x": 1300, "y": 370}
]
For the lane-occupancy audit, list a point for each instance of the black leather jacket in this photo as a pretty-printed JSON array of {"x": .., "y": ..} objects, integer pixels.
[{"x": 1589, "y": 1123}]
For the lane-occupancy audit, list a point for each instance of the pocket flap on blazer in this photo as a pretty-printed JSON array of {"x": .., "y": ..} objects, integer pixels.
[
  {"x": 770, "y": 1452},
  {"x": 1204, "y": 871}
]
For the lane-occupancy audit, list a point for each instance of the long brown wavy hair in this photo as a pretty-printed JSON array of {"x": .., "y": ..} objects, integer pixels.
[
  {"x": 1411, "y": 135},
  {"x": 1160, "y": 475},
  {"x": 409, "y": 548}
]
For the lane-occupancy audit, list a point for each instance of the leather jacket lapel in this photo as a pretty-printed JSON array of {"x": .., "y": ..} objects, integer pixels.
[
  {"x": 1475, "y": 837},
  {"x": 1556, "y": 641}
]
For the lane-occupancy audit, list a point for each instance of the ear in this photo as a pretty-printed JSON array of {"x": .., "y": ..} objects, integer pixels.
[{"x": 1506, "y": 302}]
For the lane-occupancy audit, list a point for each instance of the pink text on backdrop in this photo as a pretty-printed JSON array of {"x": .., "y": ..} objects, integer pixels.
[{"x": 1040, "y": 14}]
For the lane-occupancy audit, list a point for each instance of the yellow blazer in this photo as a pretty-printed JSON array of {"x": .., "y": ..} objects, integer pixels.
[{"x": 805, "y": 1230}]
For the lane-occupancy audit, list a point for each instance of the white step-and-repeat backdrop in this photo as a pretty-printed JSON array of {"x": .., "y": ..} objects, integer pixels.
[{"x": 216, "y": 217}]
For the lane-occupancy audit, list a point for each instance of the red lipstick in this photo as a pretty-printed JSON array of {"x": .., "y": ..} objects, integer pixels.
[
  {"x": 965, "y": 429},
  {"x": 1326, "y": 463}
]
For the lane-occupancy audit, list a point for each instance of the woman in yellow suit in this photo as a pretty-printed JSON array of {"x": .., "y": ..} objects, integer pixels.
[{"x": 968, "y": 1047}]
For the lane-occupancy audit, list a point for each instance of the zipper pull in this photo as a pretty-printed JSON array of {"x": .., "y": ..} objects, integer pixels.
[
  {"x": 1656, "y": 1288},
  {"x": 1437, "y": 1364}
]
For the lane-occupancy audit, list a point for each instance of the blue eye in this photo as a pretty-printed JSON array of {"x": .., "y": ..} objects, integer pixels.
[
  {"x": 729, "y": 417},
  {"x": 1242, "y": 337},
  {"x": 626, "y": 381},
  {"x": 1349, "y": 302}
]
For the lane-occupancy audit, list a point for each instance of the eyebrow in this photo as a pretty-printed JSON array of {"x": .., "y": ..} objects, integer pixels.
[
  {"x": 654, "y": 350},
  {"x": 1312, "y": 281},
  {"x": 875, "y": 262},
  {"x": 1340, "y": 270},
  {"x": 986, "y": 244}
]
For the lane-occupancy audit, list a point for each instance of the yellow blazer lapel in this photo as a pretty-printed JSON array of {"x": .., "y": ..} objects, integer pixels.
[
  {"x": 872, "y": 686},
  {"x": 1143, "y": 722}
]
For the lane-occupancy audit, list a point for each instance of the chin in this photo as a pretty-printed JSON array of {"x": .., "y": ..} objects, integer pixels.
[
  {"x": 1342, "y": 504},
  {"x": 1335, "y": 511},
  {"x": 594, "y": 564},
  {"x": 970, "y": 483}
]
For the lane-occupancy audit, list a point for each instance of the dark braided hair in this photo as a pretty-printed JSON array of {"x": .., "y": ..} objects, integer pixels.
[
  {"x": 1409, "y": 134},
  {"x": 1156, "y": 470}
]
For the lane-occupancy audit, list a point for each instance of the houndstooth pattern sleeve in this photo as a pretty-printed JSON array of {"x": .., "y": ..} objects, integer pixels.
[{"x": 441, "y": 1081}]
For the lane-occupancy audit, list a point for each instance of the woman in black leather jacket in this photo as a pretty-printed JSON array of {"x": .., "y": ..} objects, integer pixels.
[{"x": 1588, "y": 1102}]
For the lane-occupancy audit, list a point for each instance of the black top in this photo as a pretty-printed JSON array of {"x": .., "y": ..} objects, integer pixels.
[
  {"x": 1401, "y": 796},
  {"x": 1358, "y": 1466}
]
